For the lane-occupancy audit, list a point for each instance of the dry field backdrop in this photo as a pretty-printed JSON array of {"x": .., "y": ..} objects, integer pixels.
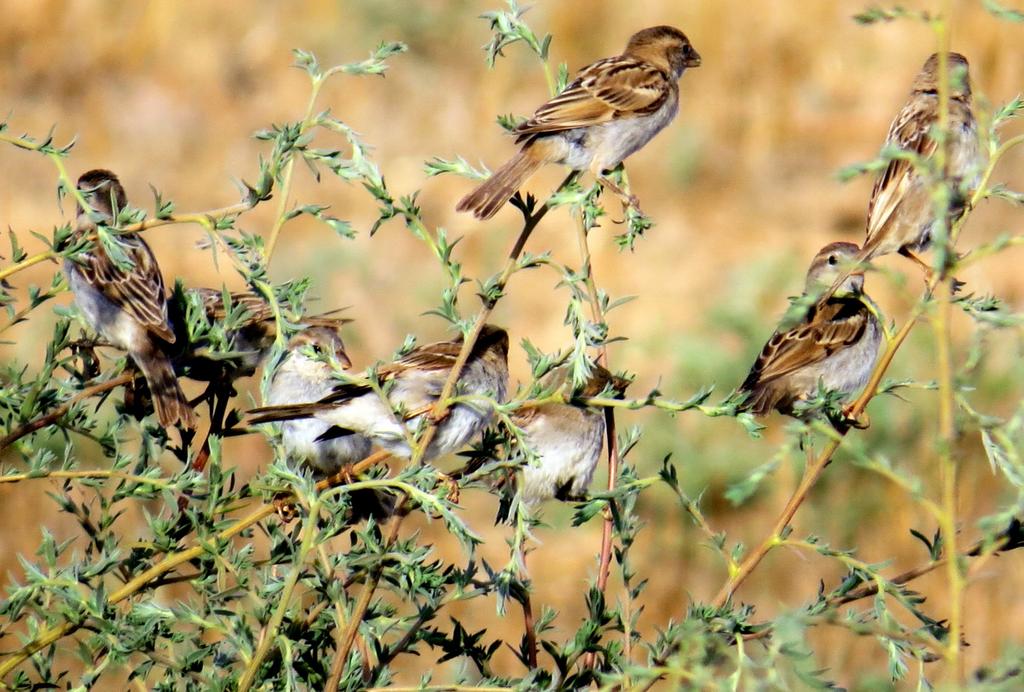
[{"x": 742, "y": 187}]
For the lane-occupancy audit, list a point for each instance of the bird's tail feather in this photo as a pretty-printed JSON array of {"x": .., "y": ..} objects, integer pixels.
[
  {"x": 760, "y": 398},
  {"x": 271, "y": 414},
  {"x": 491, "y": 195},
  {"x": 171, "y": 405}
]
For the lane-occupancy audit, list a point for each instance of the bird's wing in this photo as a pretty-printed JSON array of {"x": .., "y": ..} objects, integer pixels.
[
  {"x": 254, "y": 305},
  {"x": 608, "y": 89},
  {"x": 833, "y": 325},
  {"x": 909, "y": 132},
  {"x": 138, "y": 290}
]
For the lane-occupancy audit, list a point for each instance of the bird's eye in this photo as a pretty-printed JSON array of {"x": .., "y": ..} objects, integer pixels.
[
  {"x": 832, "y": 260},
  {"x": 317, "y": 350}
]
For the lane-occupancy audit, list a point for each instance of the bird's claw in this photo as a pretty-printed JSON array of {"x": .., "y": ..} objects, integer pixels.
[
  {"x": 453, "y": 487},
  {"x": 859, "y": 421},
  {"x": 342, "y": 476},
  {"x": 437, "y": 415},
  {"x": 285, "y": 507}
]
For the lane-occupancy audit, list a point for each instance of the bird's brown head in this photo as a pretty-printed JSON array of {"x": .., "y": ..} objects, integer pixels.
[
  {"x": 493, "y": 344},
  {"x": 323, "y": 341},
  {"x": 927, "y": 80},
  {"x": 600, "y": 379},
  {"x": 493, "y": 341},
  {"x": 831, "y": 262},
  {"x": 664, "y": 47},
  {"x": 102, "y": 190}
]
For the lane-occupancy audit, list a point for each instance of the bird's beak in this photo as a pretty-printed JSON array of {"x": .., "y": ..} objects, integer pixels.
[
  {"x": 343, "y": 359},
  {"x": 693, "y": 59}
]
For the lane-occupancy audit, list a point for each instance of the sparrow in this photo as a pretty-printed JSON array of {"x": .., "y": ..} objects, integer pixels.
[
  {"x": 126, "y": 305},
  {"x": 610, "y": 110},
  {"x": 412, "y": 385},
  {"x": 835, "y": 345},
  {"x": 566, "y": 438},
  {"x": 306, "y": 375},
  {"x": 253, "y": 332},
  {"x": 900, "y": 215}
]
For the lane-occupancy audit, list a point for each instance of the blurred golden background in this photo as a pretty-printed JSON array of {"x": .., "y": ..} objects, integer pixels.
[{"x": 741, "y": 186}]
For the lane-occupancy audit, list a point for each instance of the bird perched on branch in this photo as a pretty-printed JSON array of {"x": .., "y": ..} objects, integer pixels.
[
  {"x": 566, "y": 438},
  {"x": 306, "y": 374},
  {"x": 123, "y": 297},
  {"x": 610, "y": 110},
  {"x": 412, "y": 385},
  {"x": 901, "y": 214},
  {"x": 835, "y": 345},
  {"x": 252, "y": 332}
]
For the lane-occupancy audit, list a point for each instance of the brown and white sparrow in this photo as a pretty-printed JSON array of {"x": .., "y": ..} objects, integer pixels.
[
  {"x": 901, "y": 216},
  {"x": 126, "y": 305},
  {"x": 612, "y": 109},
  {"x": 252, "y": 335},
  {"x": 413, "y": 384},
  {"x": 566, "y": 438},
  {"x": 835, "y": 346},
  {"x": 305, "y": 374}
]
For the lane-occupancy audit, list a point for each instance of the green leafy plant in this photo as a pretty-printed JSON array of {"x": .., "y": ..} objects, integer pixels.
[{"x": 221, "y": 593}]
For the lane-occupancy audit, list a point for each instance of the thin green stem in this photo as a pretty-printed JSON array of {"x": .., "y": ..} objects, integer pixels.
[
  {"x": 347, "y": 637},
  {"x": 948, "y": 470},
  {"x": 443, "y": 401},
  {"x": 28, "y": 262},
  {"x": 942, "y": 329},
  {"x": 981, "y": 191},
  {"x": 269, "y": 634},
  {"x": 78, "y": 475},
  {"x": 286, "y": 175},
  {"x": 586, "y": 269},
  {"x": 54, "y": 415}
]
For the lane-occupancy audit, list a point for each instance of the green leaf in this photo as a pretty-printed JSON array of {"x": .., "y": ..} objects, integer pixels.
[
  {"x": 998, "y": 10},
  {"x": 740, "y": 492}
]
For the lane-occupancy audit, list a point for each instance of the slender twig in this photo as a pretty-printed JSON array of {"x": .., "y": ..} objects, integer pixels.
[
  {"x": 202, "y": 218},
  {"x": 443, "y": 401},
  {"x": 813, "y": 471},
  {"x": 529, "y": 626},
  {"x": 347, "y": 636},
  {"x": 28, "y": 262},
  {"x": 76, "y": 475},
  {"x": 286, "y": 177},
  {"x": 55, "y": 415},
  {"x": 948, "y": 471},
  {"x": 982, "y": 550},
  {"x": 402, "y": 644},
  {"x": 19, "y": 316},
  {"x": 604, "y": 561},
  {"x": 269, "y": 633}
]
